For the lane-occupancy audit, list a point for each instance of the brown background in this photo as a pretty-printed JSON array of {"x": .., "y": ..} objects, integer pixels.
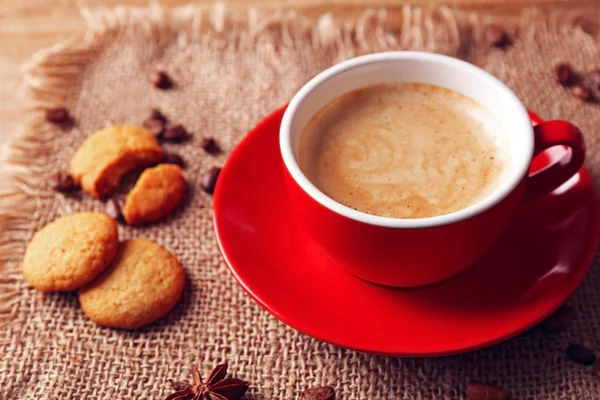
[{"x": 27, "y": 26}]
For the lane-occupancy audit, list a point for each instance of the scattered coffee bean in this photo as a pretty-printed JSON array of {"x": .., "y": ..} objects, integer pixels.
[
  {"x": 562, "y": 318},
  {"x": 63, "y": 183},
  {"x": 483, "y": 391},
  {"x": 161, "y": 80},
  {"x": 319, "y": 393},
  {"x": 58, "y": 115},
  {"x": 582, "y": 92},
  {"x": 210, "y": 145},
  {"x": 581, "y": 354},
  {"x": 597, "y": 368},
  {"x": 595, "y": 77},
  {"x": 114, "y": 209},
  {"x": 209, "y": 180},
  {"x": 178, "y": 385},
  {"x": 496, "y": 36},
  {"x": 156, "y": 114},
  {"x": 176, "y": 133},
  {"x": 174, "y": 158},
  {"x": 156, "y": 126},
  {"x": 563, "y": 74}
]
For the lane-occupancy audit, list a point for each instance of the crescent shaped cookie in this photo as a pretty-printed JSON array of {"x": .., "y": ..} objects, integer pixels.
[
  {"x": 104, "y": 158},
  {"x": 157, "y": 192}
]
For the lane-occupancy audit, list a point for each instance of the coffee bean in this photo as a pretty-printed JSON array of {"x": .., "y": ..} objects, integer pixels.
[
  {"x": 58, "y": 115},
  {"x": 161, "y": 80},
  {"x": 156, "y": 126},
  {"x": 496, "y": 36},
  {"x": 563, "y": 74},
  {"x": 156, "y": 114},
  {"x": 483, "y": 391},
  {"x": 174, "y": 158},
  {"x": 597, "y": 368},
  {"x": 582, "y": 92},
  {"x": 581, "y": 354},
  {"x": 595, "y": 77},
  {"x": 210, "y": 145},
  {"x": 562, "y": 318},
  {"x": 63, "y": 182},
  {"x": 114, "y": 209},
  {"x": 176, "y": 133},
  {"x": 319, "y": 393},
  {"x": 209, "y": 180}
]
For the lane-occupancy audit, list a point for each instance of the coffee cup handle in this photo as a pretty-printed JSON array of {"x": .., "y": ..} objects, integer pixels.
[{"x": 549, "y": 134}]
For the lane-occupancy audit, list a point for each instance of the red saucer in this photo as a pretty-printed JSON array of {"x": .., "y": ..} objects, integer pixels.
[{"x": 532, "y": 270}]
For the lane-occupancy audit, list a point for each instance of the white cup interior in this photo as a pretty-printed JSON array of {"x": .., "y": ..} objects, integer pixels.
[{"x": 428, "y": 68}]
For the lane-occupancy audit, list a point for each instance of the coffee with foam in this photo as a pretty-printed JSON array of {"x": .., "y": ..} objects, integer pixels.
[{"x": 404, "y": 150}]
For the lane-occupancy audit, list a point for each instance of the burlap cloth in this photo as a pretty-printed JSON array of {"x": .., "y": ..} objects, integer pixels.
[{"x": 230, "y": 73}]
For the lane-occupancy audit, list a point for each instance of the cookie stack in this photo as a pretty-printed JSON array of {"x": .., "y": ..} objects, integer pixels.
[{"x": 120, "y": 284}]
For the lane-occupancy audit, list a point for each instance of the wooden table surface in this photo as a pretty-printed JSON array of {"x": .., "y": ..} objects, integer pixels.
[{"x": 29, "y": 25}]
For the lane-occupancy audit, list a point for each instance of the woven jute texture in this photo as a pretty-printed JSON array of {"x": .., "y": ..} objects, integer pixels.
[{"x": 229, "y": 73}]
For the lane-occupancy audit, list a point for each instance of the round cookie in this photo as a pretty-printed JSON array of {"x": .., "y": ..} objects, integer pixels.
[
  {"x": 143, "y": 284},
  {"x": 71, "y": 251}
]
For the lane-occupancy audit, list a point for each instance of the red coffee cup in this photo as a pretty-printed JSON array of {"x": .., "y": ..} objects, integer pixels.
[{"x": 415, "y": 252}]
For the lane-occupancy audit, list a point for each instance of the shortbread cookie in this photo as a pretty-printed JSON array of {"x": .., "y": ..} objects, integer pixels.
[
  {"x": 71, "y": 251},
  {"x": 142, "y": 284},
  {"x": 157, "y": 192},
  {"x": 101, "y": 161}
]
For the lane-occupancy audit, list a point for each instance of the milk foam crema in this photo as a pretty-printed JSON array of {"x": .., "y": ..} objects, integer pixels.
[{"x": 404, "y": 150}]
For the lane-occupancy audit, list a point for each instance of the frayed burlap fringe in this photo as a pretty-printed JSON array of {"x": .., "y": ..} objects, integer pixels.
[{"x": 55, "y": 72}]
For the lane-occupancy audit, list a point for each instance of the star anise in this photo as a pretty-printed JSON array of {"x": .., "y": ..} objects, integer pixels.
[{"x": 216, "y": 387}]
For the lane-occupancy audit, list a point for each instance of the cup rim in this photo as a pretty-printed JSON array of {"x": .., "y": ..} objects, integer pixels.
[{"x": 504, "y": 189}]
